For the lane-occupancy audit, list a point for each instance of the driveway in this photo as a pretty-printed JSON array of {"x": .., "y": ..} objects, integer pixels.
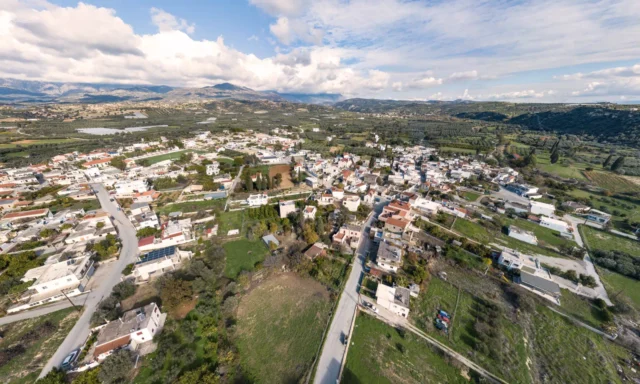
[
  {"x": 110, "y": 277},
  {"x": 510, "y": 196},
  {"x": 333, "y": 350}
]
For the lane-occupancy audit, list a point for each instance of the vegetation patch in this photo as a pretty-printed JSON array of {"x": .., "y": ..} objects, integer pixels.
[
  {"x": 242, "y": 255},
  {"x": 280, "y": 326},
  {"x": 383, "y": 354},
  {"x": 27, "y": 345},
  {"x": 596, "y": 239},
  {"x": 612, "y": 182}
]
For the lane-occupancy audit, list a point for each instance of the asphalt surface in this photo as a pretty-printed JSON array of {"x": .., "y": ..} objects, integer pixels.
[
  {"x": 128, "y": 253},
  {"x": 40, "y": 311},
  {"x": 333, "y": 350}
]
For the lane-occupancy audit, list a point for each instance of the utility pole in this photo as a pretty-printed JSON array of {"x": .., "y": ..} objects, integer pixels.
[{"x": 71, "y": 302}]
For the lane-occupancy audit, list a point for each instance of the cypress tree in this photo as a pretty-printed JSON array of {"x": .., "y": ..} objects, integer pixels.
[
  {"x": 615, "y": 167},
  {"x": 607, "y": 161}
]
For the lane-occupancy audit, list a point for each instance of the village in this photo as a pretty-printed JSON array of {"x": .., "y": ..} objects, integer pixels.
[{"x": 61, "y": 224}]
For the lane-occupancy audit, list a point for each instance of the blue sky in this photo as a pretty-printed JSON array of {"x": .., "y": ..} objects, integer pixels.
[{"x": 522, "y": 51}]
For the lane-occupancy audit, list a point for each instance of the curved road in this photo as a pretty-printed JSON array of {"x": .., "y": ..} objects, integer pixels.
[{"x": 127, "y": 234}]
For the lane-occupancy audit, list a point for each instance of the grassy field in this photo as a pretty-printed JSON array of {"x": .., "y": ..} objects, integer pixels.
[
  {"x": 191, "y": 206},
  {"x": 231, "y": 220},
  {"x": 442, "y": 295},
  {"x": 617, "y": 284},
  {"x": 566, "y": 353},
  {"x": 379, "y": 354},
  {"x": 615, "y": 206},
  {"x": 570, "y": 171},
  {"x": 27, "y": 345},
  {"x": 167, "y": 156},
  {"x": 457, "y": 150},
  {"x": 545, "y": 236},
  {"x": 28, "y": 143},
  {"x": 597, "y": 239},
  {"x": 280, "y": 326},
  {"x": 612, "y": 182},
  {"x": 479, "y": 233},
  {"x": 580, "y": 308},
  {"x": 243, "y": 255},
  {"x": 469, "y": 196}
]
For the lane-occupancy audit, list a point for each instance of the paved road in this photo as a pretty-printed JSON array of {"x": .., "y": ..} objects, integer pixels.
[
  {"x": 128, "y": 253},
  {"x": 40, "y": 311},
  {"x": 333, "y": 350}
]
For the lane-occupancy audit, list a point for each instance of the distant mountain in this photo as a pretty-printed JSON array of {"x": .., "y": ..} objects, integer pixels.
[{"x": 25, "y": 91}]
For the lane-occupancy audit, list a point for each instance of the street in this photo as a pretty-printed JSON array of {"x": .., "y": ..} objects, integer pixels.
[
  {"x": 333, "y": 350},
  {"x": 128, "y": 253}
]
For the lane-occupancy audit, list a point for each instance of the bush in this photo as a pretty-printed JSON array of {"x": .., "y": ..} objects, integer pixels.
[
  {"x": 128, "y": 269},
  {"x": 116, "y": 368},
  {"x": 124, "y": 289}
]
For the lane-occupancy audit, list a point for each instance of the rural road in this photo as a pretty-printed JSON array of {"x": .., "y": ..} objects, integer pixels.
[
  {"x": 40, "y": 311},
  {"x": 128, "y": 253},
  {"x": 331, "y": 358}
]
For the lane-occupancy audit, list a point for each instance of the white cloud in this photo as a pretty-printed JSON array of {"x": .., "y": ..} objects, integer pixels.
[
  {"x": 281, "y": 7},
  {"x": 253, "y": 38},
  {"x": 62, "y": 44},
  {"x": 168, "y": 22},
  {"x": 425, "y": 81},
  {"x": 397, "y": 86},
  {"x": 526, "y": 94},
  {"x": 290, "y": 31},
  {"x": 461, "y": 76}
]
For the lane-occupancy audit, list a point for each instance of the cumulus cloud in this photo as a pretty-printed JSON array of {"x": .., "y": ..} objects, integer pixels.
[
  {"x": 168, "y": 22},
  {"x": 425, "y": 81},
  {"x": 290, "y": 31},
  {"x": 55, "y": 43}
]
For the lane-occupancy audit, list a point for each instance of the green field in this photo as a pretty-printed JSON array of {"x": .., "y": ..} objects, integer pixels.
[
  {"x": 243, "y": 255},
  {"x": 457, "y": 150},
  {"x": 597, "y": 239},
  {"x": 580, "y": 308},
  {"x": 545, "y": 236},
  {"x": 571, "y": 354},
  {"x": 380, "y": 354},
  {"x": 168, "y": 156},
  {"x": 279, "y": 328},
  {"x": 481, "y": 234},
  {"x": 191, "y": 206},
  {"x": 442, "y": 295},
  {"x": 40, "y": 338},
  {"x": 617, "y": 284},
  {"x": 572, "y": 171},
  {"x": 612, "y": 182},
  {"x": 29, "y": 143},
  {"x": 469, "y": 196},
  {"x": 231, "y": 220}
]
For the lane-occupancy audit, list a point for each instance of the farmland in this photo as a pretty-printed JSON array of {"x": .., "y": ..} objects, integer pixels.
[
  {"x": 567, "y": 169},
  {"x": 284, "y": 170},
  {"x": 612, "y": 182},
  {"x": 242, "y": 255},
  {"x": 27, "y": 345},
  {"x": 604, "y": 241},
  {"x": 443, "y": 295},
  {"x": 381, "y": 354},
  {"x": 30, "y": 143},
  {"x": 280, "y": 326},
  {"x": 167, "y": 156}
]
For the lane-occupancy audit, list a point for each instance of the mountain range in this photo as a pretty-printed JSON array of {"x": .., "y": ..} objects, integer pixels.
[{"x": 13, "y": 91}]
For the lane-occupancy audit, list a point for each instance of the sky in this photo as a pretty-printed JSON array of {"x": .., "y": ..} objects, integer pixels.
[{"x": 501, "y": 50}]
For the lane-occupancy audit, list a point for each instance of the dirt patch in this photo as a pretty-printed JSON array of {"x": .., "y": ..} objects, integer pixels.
[
  {"x": 285, "y": 171},
  {"x": 184, "y": 308},
  {"x": 22, "y": 142},
  {"x": 145, "y": 294}
]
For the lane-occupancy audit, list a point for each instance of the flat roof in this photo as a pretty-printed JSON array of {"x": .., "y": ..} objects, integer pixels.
[{"x": 539, "y": 282}]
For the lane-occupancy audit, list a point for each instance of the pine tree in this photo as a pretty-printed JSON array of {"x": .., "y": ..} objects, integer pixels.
[
  {"x": 555, "y": 156},
  {"x": 615, "y": 167},
  {"x": 607, "y": 162}
]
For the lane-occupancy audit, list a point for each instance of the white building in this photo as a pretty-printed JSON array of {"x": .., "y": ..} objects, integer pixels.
[
  {"x": 213, "y": 169},
  {"x": 537, "y": 208},
  {"x": 53, "y": 278},
  {"x": 351, "y": 202},
  {"x": 258, "y": 200},
  {"x": 394, "y": 299},
  {"x": 130, "y": 187},
  {"x": 389, "y": 257},
  {"x": 134, "y": 328},
  {"x": 309, "y": 212},
  {"x": 158, "y": 262},
  {"x": 286, "y": 207},
  {"x": 522, "y": 235},
  {"x": 553, "y": 224}
]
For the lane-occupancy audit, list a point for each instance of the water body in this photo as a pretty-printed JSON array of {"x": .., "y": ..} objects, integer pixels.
[{"x": 113, "y": 131}]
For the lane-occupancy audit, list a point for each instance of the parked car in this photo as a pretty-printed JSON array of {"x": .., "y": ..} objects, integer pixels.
[{"x": 68, "y": 361}]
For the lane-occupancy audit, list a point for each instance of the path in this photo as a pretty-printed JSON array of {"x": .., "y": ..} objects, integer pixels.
[
  {"x": 333, "y": 350},
  {"x": 128, "y": 253}
]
